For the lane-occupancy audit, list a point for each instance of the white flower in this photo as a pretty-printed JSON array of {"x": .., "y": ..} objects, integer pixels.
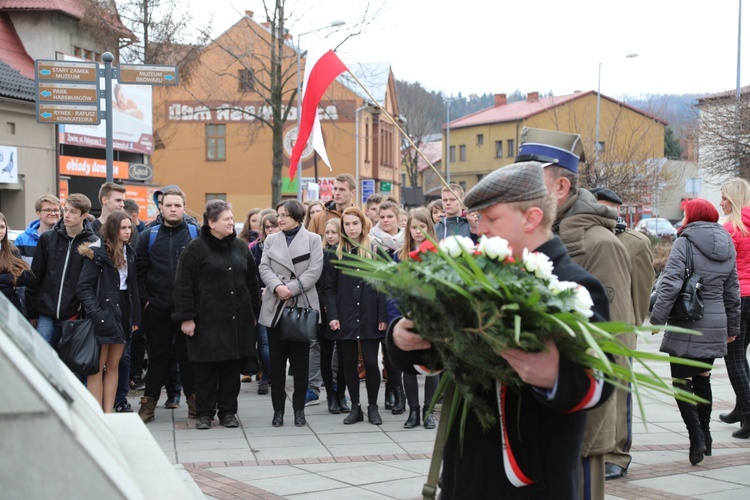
[
  {"x": 558, "y": 287},
  {"x": 494, "y": 248},
  {"x": 582, "y": 302},
  {"x": 454, "y": 245},
  {"x": 537, "y": 263}
]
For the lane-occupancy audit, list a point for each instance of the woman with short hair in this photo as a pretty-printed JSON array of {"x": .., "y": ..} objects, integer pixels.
[{"x": 217, "y": 299}]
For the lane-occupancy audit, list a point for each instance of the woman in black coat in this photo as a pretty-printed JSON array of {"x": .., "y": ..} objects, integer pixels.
[
  {"x": 14, "y": 271},
  {"x": 216, "y": 299},
  {"x": 108, "y": 291},
  {"x": 356, "y": 312}
]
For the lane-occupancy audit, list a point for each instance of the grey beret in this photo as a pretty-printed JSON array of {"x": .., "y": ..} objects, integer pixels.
[
  {"x": 516, "y": 182},
  {"x": 606, "y": 194}
]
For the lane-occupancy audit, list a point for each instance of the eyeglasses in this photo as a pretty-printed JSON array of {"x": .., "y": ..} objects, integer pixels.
[
  {"x": 268, "y": 228},
  {"x": 54, "y": 211},
  {"x": 282, "y": 216}
]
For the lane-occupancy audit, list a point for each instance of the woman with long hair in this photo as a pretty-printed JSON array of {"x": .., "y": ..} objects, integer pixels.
[
  {"x": 108, "y": 290},
  {"x": 313, "y": 208},
  {"x": 356, "y": 313},
  {"x": 714, "y": 260},
  {"x": 14, "y": 271},
  {"x": 436, "y": 210},
  {"x": 735, "y": 202},
  {"x": 418, "y": 227},
  {"x": 268, "y": 226},
  {"x": 251, "y": 228}
]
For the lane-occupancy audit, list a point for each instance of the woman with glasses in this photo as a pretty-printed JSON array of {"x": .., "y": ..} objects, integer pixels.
[
  {"x": 269, "y": 225},
  {"x": 291, "y": 265}
]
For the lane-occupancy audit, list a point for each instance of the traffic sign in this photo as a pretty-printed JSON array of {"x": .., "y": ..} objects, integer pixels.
[
  {"x": 67, "y": 113},
  {"x": 67, "y": 71},
  {"x": 152, "y": 74},
  {"x": 68, "y": 92}
]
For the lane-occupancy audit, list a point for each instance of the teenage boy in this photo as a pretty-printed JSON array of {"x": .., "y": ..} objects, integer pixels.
[
  {"x": 51, "y": 295},
  {"x": 112, "y": 198},
  {"x": 47, "y": 215}
]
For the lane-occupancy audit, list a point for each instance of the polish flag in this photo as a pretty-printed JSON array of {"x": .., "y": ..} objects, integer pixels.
[{"x": 321, "y": 69}]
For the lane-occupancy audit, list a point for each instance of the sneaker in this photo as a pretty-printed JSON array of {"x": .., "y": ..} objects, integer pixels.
[
  {"x": 311, "y": 398},
  {"x": 172, "y": 402},
  {"x": 123, "y": 407},
  {"x": 230, "y": 420},
  {"x": 246, "y": 378},
  {"x": 203, "y": 423}
]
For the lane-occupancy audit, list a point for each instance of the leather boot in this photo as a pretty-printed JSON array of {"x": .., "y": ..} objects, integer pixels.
[
  {"x": 390, "y": 397},
  {"x": 355, "y": 415},
  {"x": 333, "y": 406},
  {"x": 399, "y": 401},
  {"x": 147, "y": 409},
  {"x": 702, "y": 389},
  {"x": 689, "y": 413},
  {"x": 429, "y": 420},
  {"x": 732, "y": 417},
  {"x": 743, "y": 432},
  {"x": 373, "y": 416},
  {"x": 191, "y": 406},
  {"x": 413, "y": 419},
  {"x": 343, "y": 406}
]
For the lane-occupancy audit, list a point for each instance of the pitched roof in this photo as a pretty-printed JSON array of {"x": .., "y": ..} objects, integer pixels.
[
  {"x": 718, "y": 96},
  {"x": 12, "y": 51},
  {"x": 14, "y": 85},
  {"x": 520, "y": 110},
  {"x": 73, "y": 8}
]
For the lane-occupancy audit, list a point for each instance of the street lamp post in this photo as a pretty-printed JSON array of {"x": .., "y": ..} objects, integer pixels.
[
  {"x": 333, "y": 24},
  {"x": 448, "y": 140},
  {"x": 598, "y": 108}
]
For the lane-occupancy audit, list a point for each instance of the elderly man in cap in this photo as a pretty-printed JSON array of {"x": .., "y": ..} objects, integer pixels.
[
  {"x": 586, "y": 228},
  {"x": 534, "y": 450},
  {"x": 642, "y": 280}
]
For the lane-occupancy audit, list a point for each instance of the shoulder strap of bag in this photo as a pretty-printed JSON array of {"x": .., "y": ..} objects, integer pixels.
[
  {"x": 303, "y": 293},
  {"x": 689, "y": 269},
  {"x": 429, "y": 490}
]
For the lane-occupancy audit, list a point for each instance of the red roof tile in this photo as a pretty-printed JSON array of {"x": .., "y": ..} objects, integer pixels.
[
  {"x": 12, "y": 51},
  {"x": 520, "y": 110}
]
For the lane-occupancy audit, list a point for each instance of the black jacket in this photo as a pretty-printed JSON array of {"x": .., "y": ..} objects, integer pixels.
[
  {"x": 544, "y": 436},
  {"x": 217, "y": 287},
  {"x": 56, "y": 268},
  {"x": 356, "y": 305},
  {"x": 157, "y": 268},
  {"x": 104, "y": 308},
  {"x": 10, "y": 284}
]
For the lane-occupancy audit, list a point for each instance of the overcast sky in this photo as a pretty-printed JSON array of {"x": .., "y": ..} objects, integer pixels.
[{"x": 490, "y": 46}]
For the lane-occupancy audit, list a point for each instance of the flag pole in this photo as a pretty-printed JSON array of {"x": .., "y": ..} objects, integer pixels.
[{"x": 406, "y": 136}]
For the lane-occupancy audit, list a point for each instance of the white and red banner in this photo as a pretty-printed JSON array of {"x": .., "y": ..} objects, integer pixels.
[{"x": 321, "y": 69}]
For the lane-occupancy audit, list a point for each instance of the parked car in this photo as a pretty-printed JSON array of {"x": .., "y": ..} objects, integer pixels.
[{"x": 657, "y": 228}]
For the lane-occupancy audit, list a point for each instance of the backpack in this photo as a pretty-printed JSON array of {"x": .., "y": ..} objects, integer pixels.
[{"x": 155, "y": 230}]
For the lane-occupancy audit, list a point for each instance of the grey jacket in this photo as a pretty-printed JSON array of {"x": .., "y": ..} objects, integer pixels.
[{"x": 714, "y": 259}]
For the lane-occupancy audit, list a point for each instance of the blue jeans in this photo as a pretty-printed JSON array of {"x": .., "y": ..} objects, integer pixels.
[
  {"x": 50, "y": 329},
  {"x": 265, "y": 353},
  {"x": 123, "y": 374}
]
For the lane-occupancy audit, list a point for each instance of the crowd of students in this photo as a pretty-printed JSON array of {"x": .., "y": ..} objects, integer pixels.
[{"x": 151, "y": 290}]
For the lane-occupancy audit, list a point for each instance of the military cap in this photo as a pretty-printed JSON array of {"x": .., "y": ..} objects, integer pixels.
[
  {"x": 517, "y": 182},
  {"x": 606, "y": 194},
  {"x": 551, "y": 147}
]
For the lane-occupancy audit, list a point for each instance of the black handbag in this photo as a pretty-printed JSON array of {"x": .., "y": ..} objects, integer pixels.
[
  {"x": 78, "y": 347},
  {"x": 689, "y": 303},
  {"x": 298, "y": 323}
]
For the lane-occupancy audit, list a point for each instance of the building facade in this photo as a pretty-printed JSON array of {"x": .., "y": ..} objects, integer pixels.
[{"x": 214, "y": 133}]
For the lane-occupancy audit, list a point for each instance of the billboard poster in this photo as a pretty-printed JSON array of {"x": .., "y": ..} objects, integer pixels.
[
  {"x": 144, "y": 196},
  {"x": 8, "y": 164},
  {"x": 91, "y": 167},
  {"x": 132, "y": 117}
]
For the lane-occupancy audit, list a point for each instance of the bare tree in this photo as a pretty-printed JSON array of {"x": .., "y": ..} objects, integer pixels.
[
  {"x": 424, "y": 112},
  {"x": 724, "y": 134}
]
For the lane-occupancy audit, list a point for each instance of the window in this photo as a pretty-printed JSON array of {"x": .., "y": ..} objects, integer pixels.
[
  {"x": 511, "y": 148},
  {"x": 216, "y": 142},
  {"x": 480, "y": 177},
  {"x": 452, "y": 154},
  {"x": 216, "y": 196},
  {"x": 247, "y": 80},
  {"x": 480, "y": 139},
  {"x": 462, "y": 152},
  {"x": 10, "y": 128},
  {"x": 600, "y": 147},
  {"x": 462, "y": 184},
  {"x": 498, "y": 149}
]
